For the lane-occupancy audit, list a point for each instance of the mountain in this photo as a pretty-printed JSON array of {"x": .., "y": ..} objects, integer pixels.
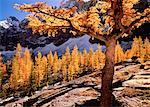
[
  {"x": 13, "y": 31},
  {"x": 81, "y": 43},
  {"x": 9, "y": 22}
]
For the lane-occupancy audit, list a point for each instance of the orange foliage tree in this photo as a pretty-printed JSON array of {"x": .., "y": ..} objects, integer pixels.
[
  {"x": 108, "y": 20},
  {"x": 119, "y": 54},
  {"x": 2, "y": 71}
]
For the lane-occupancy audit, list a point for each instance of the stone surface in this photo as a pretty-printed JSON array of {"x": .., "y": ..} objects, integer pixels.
[
  {"x": 131, "y": 89},
  {"x": 74, "y": 97}
]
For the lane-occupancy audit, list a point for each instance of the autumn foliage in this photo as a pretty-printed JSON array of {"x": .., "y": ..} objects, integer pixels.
[
  {"x": 106, "y": 20},
  {"x": 46, "y": 70}
]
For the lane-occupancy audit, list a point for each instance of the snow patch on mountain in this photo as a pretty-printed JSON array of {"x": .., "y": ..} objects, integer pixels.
[
  {"x": 11, "y": 21},
  {"x": 5, "y": 24}
]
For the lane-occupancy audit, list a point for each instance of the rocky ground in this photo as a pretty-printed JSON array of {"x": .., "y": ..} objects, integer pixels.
[{"x": 131, "y": 88}]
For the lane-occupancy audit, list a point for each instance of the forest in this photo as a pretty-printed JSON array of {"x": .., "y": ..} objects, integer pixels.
[
  {"x": 117, "y": 75},
  {"x": 26, "y": 74}
]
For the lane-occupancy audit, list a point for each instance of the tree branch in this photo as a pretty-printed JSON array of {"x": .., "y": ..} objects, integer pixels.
[{"x": 130, "y": 27}]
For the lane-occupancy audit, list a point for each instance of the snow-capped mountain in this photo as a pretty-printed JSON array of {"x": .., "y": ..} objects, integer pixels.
[
  {"x": 5, "y": 24},
  {"x": 11, "y": 21}
]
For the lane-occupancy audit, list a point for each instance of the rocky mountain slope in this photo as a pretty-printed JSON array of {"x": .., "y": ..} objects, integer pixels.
[{"x": 130, "y": 89}]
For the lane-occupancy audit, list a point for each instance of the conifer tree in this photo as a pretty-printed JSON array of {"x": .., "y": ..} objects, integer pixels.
[
  {"x": 55, "y": 66},
  {"x": 134, "y": 51},
  {"x": 45, "y": 69},
  {"x": 49, "y": 72},
  {"x": 27, "y": 67},
  {"x": 75, "y": 59},
  {"x": 147, "y": 49},
  {"x": 141, "y": 50},
  {"x": 68, "y": 57},
  {"x": 32, "y": 82},
  {"x": 101, "y": 55},
  {"x": 106, "y": 20},
  {"x": 2, "y": 66},
  {"x": 71, "y": 71},
  {"x": 64, "y": 68},
  {"x": 38, "y": 69},
  {"x": 85, "y": 56},
  {"x": 81, "y": 61},
  {"x": 119, "y": 54},
  {"x": 91, "y": 59},
  {"x": 96, "y": 61},
  {"x": 2, "y": 71},
  {"x": 15, "y": 77}
]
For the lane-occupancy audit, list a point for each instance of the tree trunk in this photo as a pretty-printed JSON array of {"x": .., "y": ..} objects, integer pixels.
[{"x": 107, "y": 74}]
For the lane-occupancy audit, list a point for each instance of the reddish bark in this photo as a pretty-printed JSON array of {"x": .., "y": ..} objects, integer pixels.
[{"x": 107, "y": 73}]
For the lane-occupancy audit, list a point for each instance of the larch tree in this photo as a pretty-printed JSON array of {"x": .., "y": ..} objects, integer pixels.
[
  {"x": 55, "y": 66},
  {"x": 107, "y": 20},
  {"x": 2, "y": 71},
  {"x": 27, "y": 66},
  {"x": 85, "y": 56},
  {"x": 75, "y": 60},
  {"x": 91, "y": 59},
  {"x": 38, "y": 69},
  {"x": 15, "y": 76},
  {"x": 49, "y": 68},
  {"x": 119, "y": 54},
  {"x": 64, "y": 68},
  {"x": 147, "y": 49}
]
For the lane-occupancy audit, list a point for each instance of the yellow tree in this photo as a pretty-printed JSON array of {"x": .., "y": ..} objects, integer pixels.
[
  {"x": 75, "y": 59},
  {"x": 101, "y": 55},
  {"x": 49, "y": 72},
  {"x": 2, "y": 70},
  {"x": 147, "y": 49},
  {"x": 16, "y": 77},
  {"x": 85, "y": 56},
  {"x": 64, "y": 67},
  {"x": 45, "y": 68},
  {"x": 38, "y": 69},
  {"x": 81, "y": 61},
  {"x": 55, "y": 66},
  {"x": 27, "y": 68},
  {"x": 107, "y": 20},
  {"x": 67, "y": 54},
  {"x": 71, "y": 71},
  {"x": 119, "y": 54},
  {"x": 91, "y": 59}
]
